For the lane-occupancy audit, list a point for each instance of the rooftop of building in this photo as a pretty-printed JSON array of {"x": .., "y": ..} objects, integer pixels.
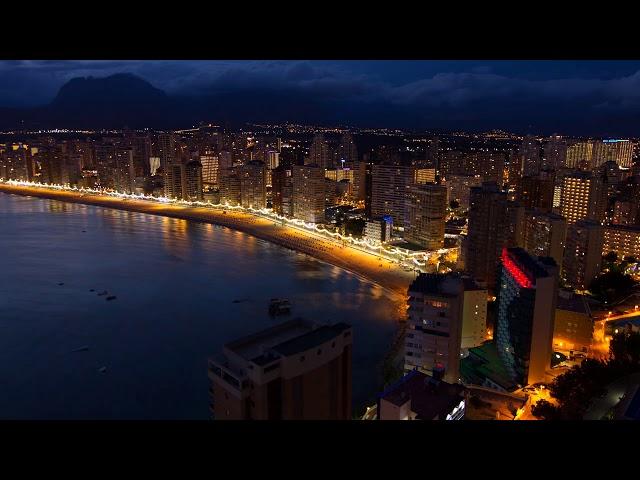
[
  {"x": 523, "y": 266},
  {"x": 573, "y": 303},
  {"x": 285, "y": 339},
  {"x": 441, "y": 284},
  {"x": 430, "y": 398},
  {"x": 484, "y": 362}
]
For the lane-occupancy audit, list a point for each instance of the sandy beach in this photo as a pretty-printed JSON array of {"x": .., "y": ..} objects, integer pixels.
[{"x": 382, "y": 272}]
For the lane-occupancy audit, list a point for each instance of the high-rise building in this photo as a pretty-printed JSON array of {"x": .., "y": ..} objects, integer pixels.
[
  {"x": 626, "y": 212},
  {"x": 487, "y": 232},
  {"x": 537, "y": 192},
  {"x": 459, "y": 188},
  {"x": 193, "y": 181},
  {"x": 544, "y": 234},
  {"x": 308, "y": 193},
  {"x": 425, "y": 175},
  {"x": 526, "y": 303},
  {"x": 293, "y": 371},
  {"x": 426, "y": 209},
  {"x": 583, "y": 253},
  {"x": 348, "y": 152},
  {"x": 174, "y": 177},
  {"x": 15, "y": 163},
  {"x": 230, "y": 186},
  {"x": 379, "y": 230},
  {"x": 619, "y": 151},
  {"x": 579, "y": 155},
  {"x": 319, "y": 152},
  {"x": 446, "y": 313},
  {"x": 622, "y": 239},
  {"x": 273, "y": 159},
  {"x": 123, "y": 169},
  {"x": 360, "y": 181},
  {"x": 282, "y": 191},
  {"x": 210, "y": 168},
  {"x": 389, "y": 187},
  {"x": 253, "y": 185},
  {"x": 166, "y": 149},
  {"x": 530, "y": 156},
  {"x": 584, "y": 196},
  {"x": 555, "y": 153},
  {"x": 573, "y": 325}
]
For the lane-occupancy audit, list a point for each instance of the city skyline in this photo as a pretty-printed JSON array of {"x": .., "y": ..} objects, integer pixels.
[{"x": 295, "y": 269}]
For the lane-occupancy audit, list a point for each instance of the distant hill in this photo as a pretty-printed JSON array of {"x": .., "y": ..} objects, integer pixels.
[{"x": 124, "y": 99}]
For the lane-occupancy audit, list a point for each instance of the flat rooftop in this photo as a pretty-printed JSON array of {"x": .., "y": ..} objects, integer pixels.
[
  {"x": 286, "y": 339},
  {"x": 574, "y": 303}
]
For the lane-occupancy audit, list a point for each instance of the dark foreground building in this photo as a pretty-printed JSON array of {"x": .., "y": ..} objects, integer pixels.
[
  {"x": 420, "y": 397},
  {"x": 293, "y": 371}
]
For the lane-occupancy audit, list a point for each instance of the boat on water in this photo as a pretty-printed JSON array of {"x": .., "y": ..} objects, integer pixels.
[{"x": 278, "y": 306}]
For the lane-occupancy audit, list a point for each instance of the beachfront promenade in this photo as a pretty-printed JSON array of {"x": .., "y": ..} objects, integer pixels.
[{"x": 381, "y": 271}]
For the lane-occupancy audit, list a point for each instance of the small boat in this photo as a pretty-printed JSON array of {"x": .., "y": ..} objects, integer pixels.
[
  {"x": 81, "y": 349},
  {"x": 111, "y": 297},
  {"x": 103, "y": 370},
  {"x": 279, "y": 306}
]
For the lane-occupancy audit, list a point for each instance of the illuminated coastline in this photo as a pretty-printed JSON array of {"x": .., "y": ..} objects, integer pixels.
[{"x": 379, "y": 263}]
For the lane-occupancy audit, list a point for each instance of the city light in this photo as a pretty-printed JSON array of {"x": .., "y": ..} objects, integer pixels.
[{"x": 391, "y": 253}]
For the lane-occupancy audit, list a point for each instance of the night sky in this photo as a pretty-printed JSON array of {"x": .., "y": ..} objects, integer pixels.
[{"x": 567, "y": 97}]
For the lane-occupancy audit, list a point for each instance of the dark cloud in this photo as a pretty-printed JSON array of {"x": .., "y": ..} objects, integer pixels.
[{"x": 560, "y": 96}]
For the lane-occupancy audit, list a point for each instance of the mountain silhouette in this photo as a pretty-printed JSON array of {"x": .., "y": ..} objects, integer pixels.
[{"x": 125, "y": 100}]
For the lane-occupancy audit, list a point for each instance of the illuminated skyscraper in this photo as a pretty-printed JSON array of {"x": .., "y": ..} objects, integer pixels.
[
  {"x": 583, "y": 253},
  {"x": 166, "y": 149},
  {"x": 319, "y": 153},
  {"x": 555, "y": 153},
  {"x": 308, "y": 193},
  {"x": 530, "y": 155},
  {"x": 526, "y": 303},
  {"x": 537, "y": 192},
  {"x": 487, "y": 232},
  {"x": 253, "y": 185},
  {"x": 619, "y": 151},
  {"x": 544, "y": 234},
  {"x": 441, "y": 308},
  {"x": 282, "y": 191},
  {"x": 584, "y": 196},
  {"x": 579, "y": 155},
  {"x": 348, "y": 152},
  {"x": 389, "y": 188},
  {"x": 210, "y": 167},
  {"x": 426, "y": 208}
]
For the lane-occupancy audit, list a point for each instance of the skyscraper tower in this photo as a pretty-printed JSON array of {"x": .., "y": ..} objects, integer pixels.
[
  {"x": 530, "y": 155},
  {"x": 526, "y": 303},
  {"x": 425, "y": 217},
  {"x": 348, "y": 153},
  {"x": 308, "y": 193},
  {"x": 487, "y": 232},
  {"x": 319, "y": 153}
]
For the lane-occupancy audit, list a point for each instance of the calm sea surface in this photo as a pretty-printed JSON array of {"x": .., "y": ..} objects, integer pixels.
[{"x": 175, "y": 283}]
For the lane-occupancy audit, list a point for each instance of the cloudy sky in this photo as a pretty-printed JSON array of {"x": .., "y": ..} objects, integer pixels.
[{"x": 564, "y": 96}]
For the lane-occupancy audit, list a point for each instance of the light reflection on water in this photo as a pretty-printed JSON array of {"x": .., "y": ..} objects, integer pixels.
[{"x": 175, "y": 283}]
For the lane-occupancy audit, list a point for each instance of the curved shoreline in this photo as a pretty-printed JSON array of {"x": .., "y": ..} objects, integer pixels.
[{"x": 388, "y": 276}]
